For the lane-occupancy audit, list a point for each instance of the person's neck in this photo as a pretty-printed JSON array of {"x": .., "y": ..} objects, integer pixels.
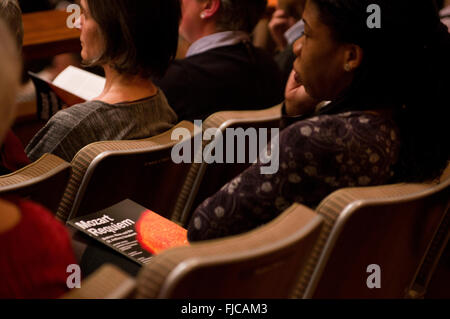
[
  {"x": 207, "y": 29},
  {"x": 125, "y": 88}
]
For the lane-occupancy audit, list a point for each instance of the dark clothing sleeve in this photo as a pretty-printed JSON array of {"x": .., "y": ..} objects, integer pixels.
[{"x": 287, "y": 120}]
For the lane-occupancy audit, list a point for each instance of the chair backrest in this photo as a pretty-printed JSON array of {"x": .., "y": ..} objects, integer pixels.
[
  {"x": 390, "y": 227},
  {"x": 196, "y": 188},
  {"x": 106, "y": 173},
  {"x": 263, "y": 263},
  {"x": 43, "y": 181},
  {"x": 434, "y": 253}
]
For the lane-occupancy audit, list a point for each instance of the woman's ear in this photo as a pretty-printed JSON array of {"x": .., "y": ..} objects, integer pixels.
[
  {"x": 210, "y": 8},
  {"x": 353, "y": 57}
]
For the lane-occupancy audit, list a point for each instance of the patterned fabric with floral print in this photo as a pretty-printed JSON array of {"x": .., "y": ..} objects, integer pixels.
[{"x": 317, "y": 156}]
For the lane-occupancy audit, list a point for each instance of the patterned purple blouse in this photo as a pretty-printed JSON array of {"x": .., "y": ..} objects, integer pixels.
[{"x": 317, "y": 156}]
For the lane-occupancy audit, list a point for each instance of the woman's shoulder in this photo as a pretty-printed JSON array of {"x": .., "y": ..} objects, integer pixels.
[
  {"x": 79, "y": 116},
  {"x": 344, "y": 130},
  {"x": 77, "y": 112},
  {"x": 353, "y": 121},
  {"x": 86, "y": 107},
  {"x": 158, "y": 107},
  {"x": 350, "y": 116}
]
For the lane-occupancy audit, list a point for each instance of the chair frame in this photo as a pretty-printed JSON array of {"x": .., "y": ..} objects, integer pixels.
[
  {"x": 94, "y": 165},
  {"x": 39, "y": 172},
  {"x": 193, "y": 263},
  {"x": 82, "y": 178},
  {"x": 303, "y": 227},
  {"x": 353, "y": 208},
  {"x": 182, "y": 265},
  {"x": 221, "y": 121}
]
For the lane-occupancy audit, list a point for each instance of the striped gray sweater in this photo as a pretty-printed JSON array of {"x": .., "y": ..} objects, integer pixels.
[{"x": 71, "y": 129}]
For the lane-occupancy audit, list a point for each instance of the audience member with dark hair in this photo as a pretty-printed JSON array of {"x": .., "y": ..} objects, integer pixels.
[
  {"x": 36, "y": 250},
  {"x": 222, "y": 70},
  {"x": 388, "y": 90},
  {"x": 132, "y": 40}
]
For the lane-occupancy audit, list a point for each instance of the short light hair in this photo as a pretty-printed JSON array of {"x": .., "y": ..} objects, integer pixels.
[
  {"x": 240, "y": 15},
  {"x": 9, "y": 78},
  {"x": 12, "y": 14}
]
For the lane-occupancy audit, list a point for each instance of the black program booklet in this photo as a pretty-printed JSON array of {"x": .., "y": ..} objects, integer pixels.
[
  {"x": 132, "y": 230},
  {"x": 48, "y": 101}
]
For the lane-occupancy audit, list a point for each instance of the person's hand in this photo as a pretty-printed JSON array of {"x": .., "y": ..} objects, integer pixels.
[
  {"x": 278, "y": 25},
  {"x": 298, "y": 101}
]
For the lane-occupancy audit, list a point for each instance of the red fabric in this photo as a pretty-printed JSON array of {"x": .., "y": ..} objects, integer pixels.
[
  {"x": 12, "y": 153},
  {"x": 34, "y": 255}
]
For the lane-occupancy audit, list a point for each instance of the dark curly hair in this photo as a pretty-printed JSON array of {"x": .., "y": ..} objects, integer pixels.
[{"x": 406, "y": 68}]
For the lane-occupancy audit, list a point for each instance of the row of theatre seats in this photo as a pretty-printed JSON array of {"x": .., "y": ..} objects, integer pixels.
[{"x": 304, "y": 253}]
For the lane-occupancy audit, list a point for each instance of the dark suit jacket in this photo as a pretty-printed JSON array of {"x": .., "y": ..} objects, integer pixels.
[{"x": 237, "y": 77}]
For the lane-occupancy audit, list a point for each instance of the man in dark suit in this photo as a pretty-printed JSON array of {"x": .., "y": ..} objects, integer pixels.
[{"x": 222, "y": 70}]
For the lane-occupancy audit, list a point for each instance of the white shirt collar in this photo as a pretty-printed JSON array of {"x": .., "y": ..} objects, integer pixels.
[{"x": 216, "y": 40}]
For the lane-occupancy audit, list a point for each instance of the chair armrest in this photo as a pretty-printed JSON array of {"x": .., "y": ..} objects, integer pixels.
[
  {"x": 227, "y": 118},
  {"x": 48, "y": 165}
]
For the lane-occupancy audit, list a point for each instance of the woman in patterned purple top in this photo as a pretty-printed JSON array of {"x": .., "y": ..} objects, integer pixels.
[{"x": 385, "y": 80}]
